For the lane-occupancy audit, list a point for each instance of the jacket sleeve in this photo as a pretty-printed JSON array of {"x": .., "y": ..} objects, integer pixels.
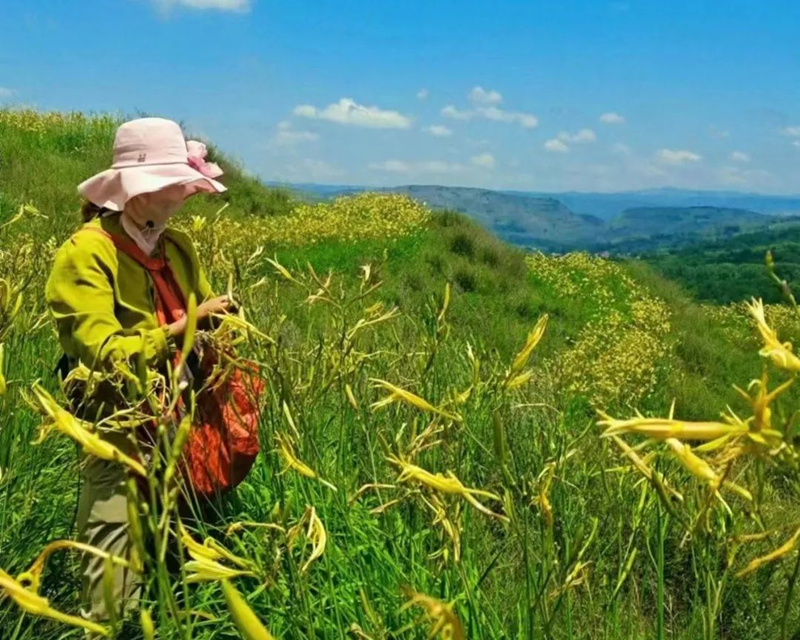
[{"x": 81, "y": 297}]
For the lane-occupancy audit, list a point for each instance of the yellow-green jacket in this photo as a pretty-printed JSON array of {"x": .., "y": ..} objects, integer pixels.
[{"x": 103, "y": 301}]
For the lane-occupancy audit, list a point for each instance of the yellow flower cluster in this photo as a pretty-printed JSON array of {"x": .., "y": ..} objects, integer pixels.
[
  {"x": 348, "y": 218},
  {"x": 737, "y": 322},
  {"x": 615, "y": 356},
  {"x": 46, "y": 122},
  {"x": 616, "y": 359}
]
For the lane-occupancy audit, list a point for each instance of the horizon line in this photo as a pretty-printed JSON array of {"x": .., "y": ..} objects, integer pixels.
[{"x": 535, "y": 191}]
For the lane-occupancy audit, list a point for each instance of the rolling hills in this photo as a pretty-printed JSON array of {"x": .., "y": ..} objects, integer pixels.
[
  {"x": 527, "y": 221},
  {"x": 548, "y": 223},
  {"x": 610, "y": 205}
]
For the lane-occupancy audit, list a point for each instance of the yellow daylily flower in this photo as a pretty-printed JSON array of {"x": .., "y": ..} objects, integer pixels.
[
  {"x": 780, "y": 353},
  {"x": 761, "y": 401},
  {"x": 642, "y": 466},
  {"x": 286, "y": 451},
  {"x": 543, "y": 499},
  {"x": 348, "y": 391},
  {"x": 205, "y": 570},
  {"x": 397, "y": 394},
  {"x": 243, "y": 616},
  {"x": 31, "y": 602},
  {"x": 210, "y": 549},
  {"x": 440, "y": 615},
  {"x": 664, "y": 428},
  {"x": 534, "y": 337},
  {"x": 445, "y": 484},
  {"x": 280, "y": 269},
  {"x": 146, "y": 622},
  {"x": 3, "y": 384},
  {"x": 445, "y": 304},
  {"x": 701, "y": 469},
  {"x": 79, "y": 431},
  {"x": 785, "y": 549},
  {"x": 315, "y": 532}
]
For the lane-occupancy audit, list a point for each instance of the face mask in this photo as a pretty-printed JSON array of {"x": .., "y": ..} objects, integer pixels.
[{"x": 145, "y": 217}]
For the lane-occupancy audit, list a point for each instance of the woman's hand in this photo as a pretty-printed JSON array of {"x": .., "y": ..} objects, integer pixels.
[{"x": 220, "y": 304}]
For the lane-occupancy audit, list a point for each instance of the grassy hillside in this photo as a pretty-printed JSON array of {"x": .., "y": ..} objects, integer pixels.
[{"x": 418, "y": 354}]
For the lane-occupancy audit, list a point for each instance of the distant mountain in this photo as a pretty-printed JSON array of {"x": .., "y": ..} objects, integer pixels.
[
  {"x": 600, "y": 222},
  {"x": 524, "y": 220},
  {"x": 610, "y": 205},
  {"x": 652, "y": 228}
]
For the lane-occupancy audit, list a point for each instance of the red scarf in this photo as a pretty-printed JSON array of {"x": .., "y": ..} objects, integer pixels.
[{"x": 170, "y": 303}]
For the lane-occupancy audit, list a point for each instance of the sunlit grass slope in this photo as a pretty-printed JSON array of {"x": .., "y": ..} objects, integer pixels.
[{"x": 410, "y": 365}]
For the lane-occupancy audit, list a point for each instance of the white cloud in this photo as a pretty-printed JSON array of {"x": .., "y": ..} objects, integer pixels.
[
  {"x": 620, "y": 149},
  {"x": 349, "y": 112},
  {"x": 740, "y": 156},
  {"x": 528, "y": 120},
  {"x": 555, "y": 146},
  {"x": 451, "y": 112},
  {"x": 579, "y": 137},
  {"x": 720, "y": 134},
  {"x": 240, "y": 6},
  {"x": 676, "y": 156},
  {"x": 438, "y": 130},
  {"x": 295, "y": 137},
  {"x": 612, "y": 118},
  {"x": 423, "y": 94},
  {"x": 421, "y": 167},
  {"x": 483, "y": 160},
  {"x": 525, "y": 120},
  {"x": 796, "y": 143},
  {"x": 305, "y": 111},
  {"x": 287, "y": 136},
  {"x": 6, "y": 93},
  {"x": 792, "y": 132},
  {"x": 479, "y": 95}
]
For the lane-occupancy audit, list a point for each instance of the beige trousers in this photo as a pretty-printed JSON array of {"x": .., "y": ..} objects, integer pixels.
[{"x": 103, "y": 523}]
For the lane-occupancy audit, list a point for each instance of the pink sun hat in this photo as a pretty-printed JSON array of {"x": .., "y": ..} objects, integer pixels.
[{"x": 151, "y": 154}]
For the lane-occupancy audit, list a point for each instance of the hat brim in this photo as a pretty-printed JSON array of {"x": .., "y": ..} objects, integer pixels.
[{"x": 114, "y": 187}]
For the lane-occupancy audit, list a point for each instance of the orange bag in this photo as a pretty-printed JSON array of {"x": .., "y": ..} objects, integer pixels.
[{"x": 223, "y": 441}]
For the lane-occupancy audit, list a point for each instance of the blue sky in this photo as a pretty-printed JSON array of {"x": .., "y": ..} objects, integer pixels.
[{"x": 583, "y": 95}]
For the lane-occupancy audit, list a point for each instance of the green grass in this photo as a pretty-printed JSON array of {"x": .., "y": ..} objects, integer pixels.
[
  {"x": 513, "y": 579},
  {"x": 732, "y": 269}
]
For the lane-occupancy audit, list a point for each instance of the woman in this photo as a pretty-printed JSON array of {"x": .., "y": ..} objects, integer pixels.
[{"x": 107, "y": 311}]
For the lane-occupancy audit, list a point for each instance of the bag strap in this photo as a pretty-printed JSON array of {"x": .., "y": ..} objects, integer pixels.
[{"x": 170, "y": 303}]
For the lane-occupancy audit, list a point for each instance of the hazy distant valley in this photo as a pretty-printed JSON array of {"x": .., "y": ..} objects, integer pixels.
[{"x": 631, "y": 222}]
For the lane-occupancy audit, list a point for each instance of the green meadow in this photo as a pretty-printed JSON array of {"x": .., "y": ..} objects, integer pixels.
[{"x": 454, "y": 438}]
